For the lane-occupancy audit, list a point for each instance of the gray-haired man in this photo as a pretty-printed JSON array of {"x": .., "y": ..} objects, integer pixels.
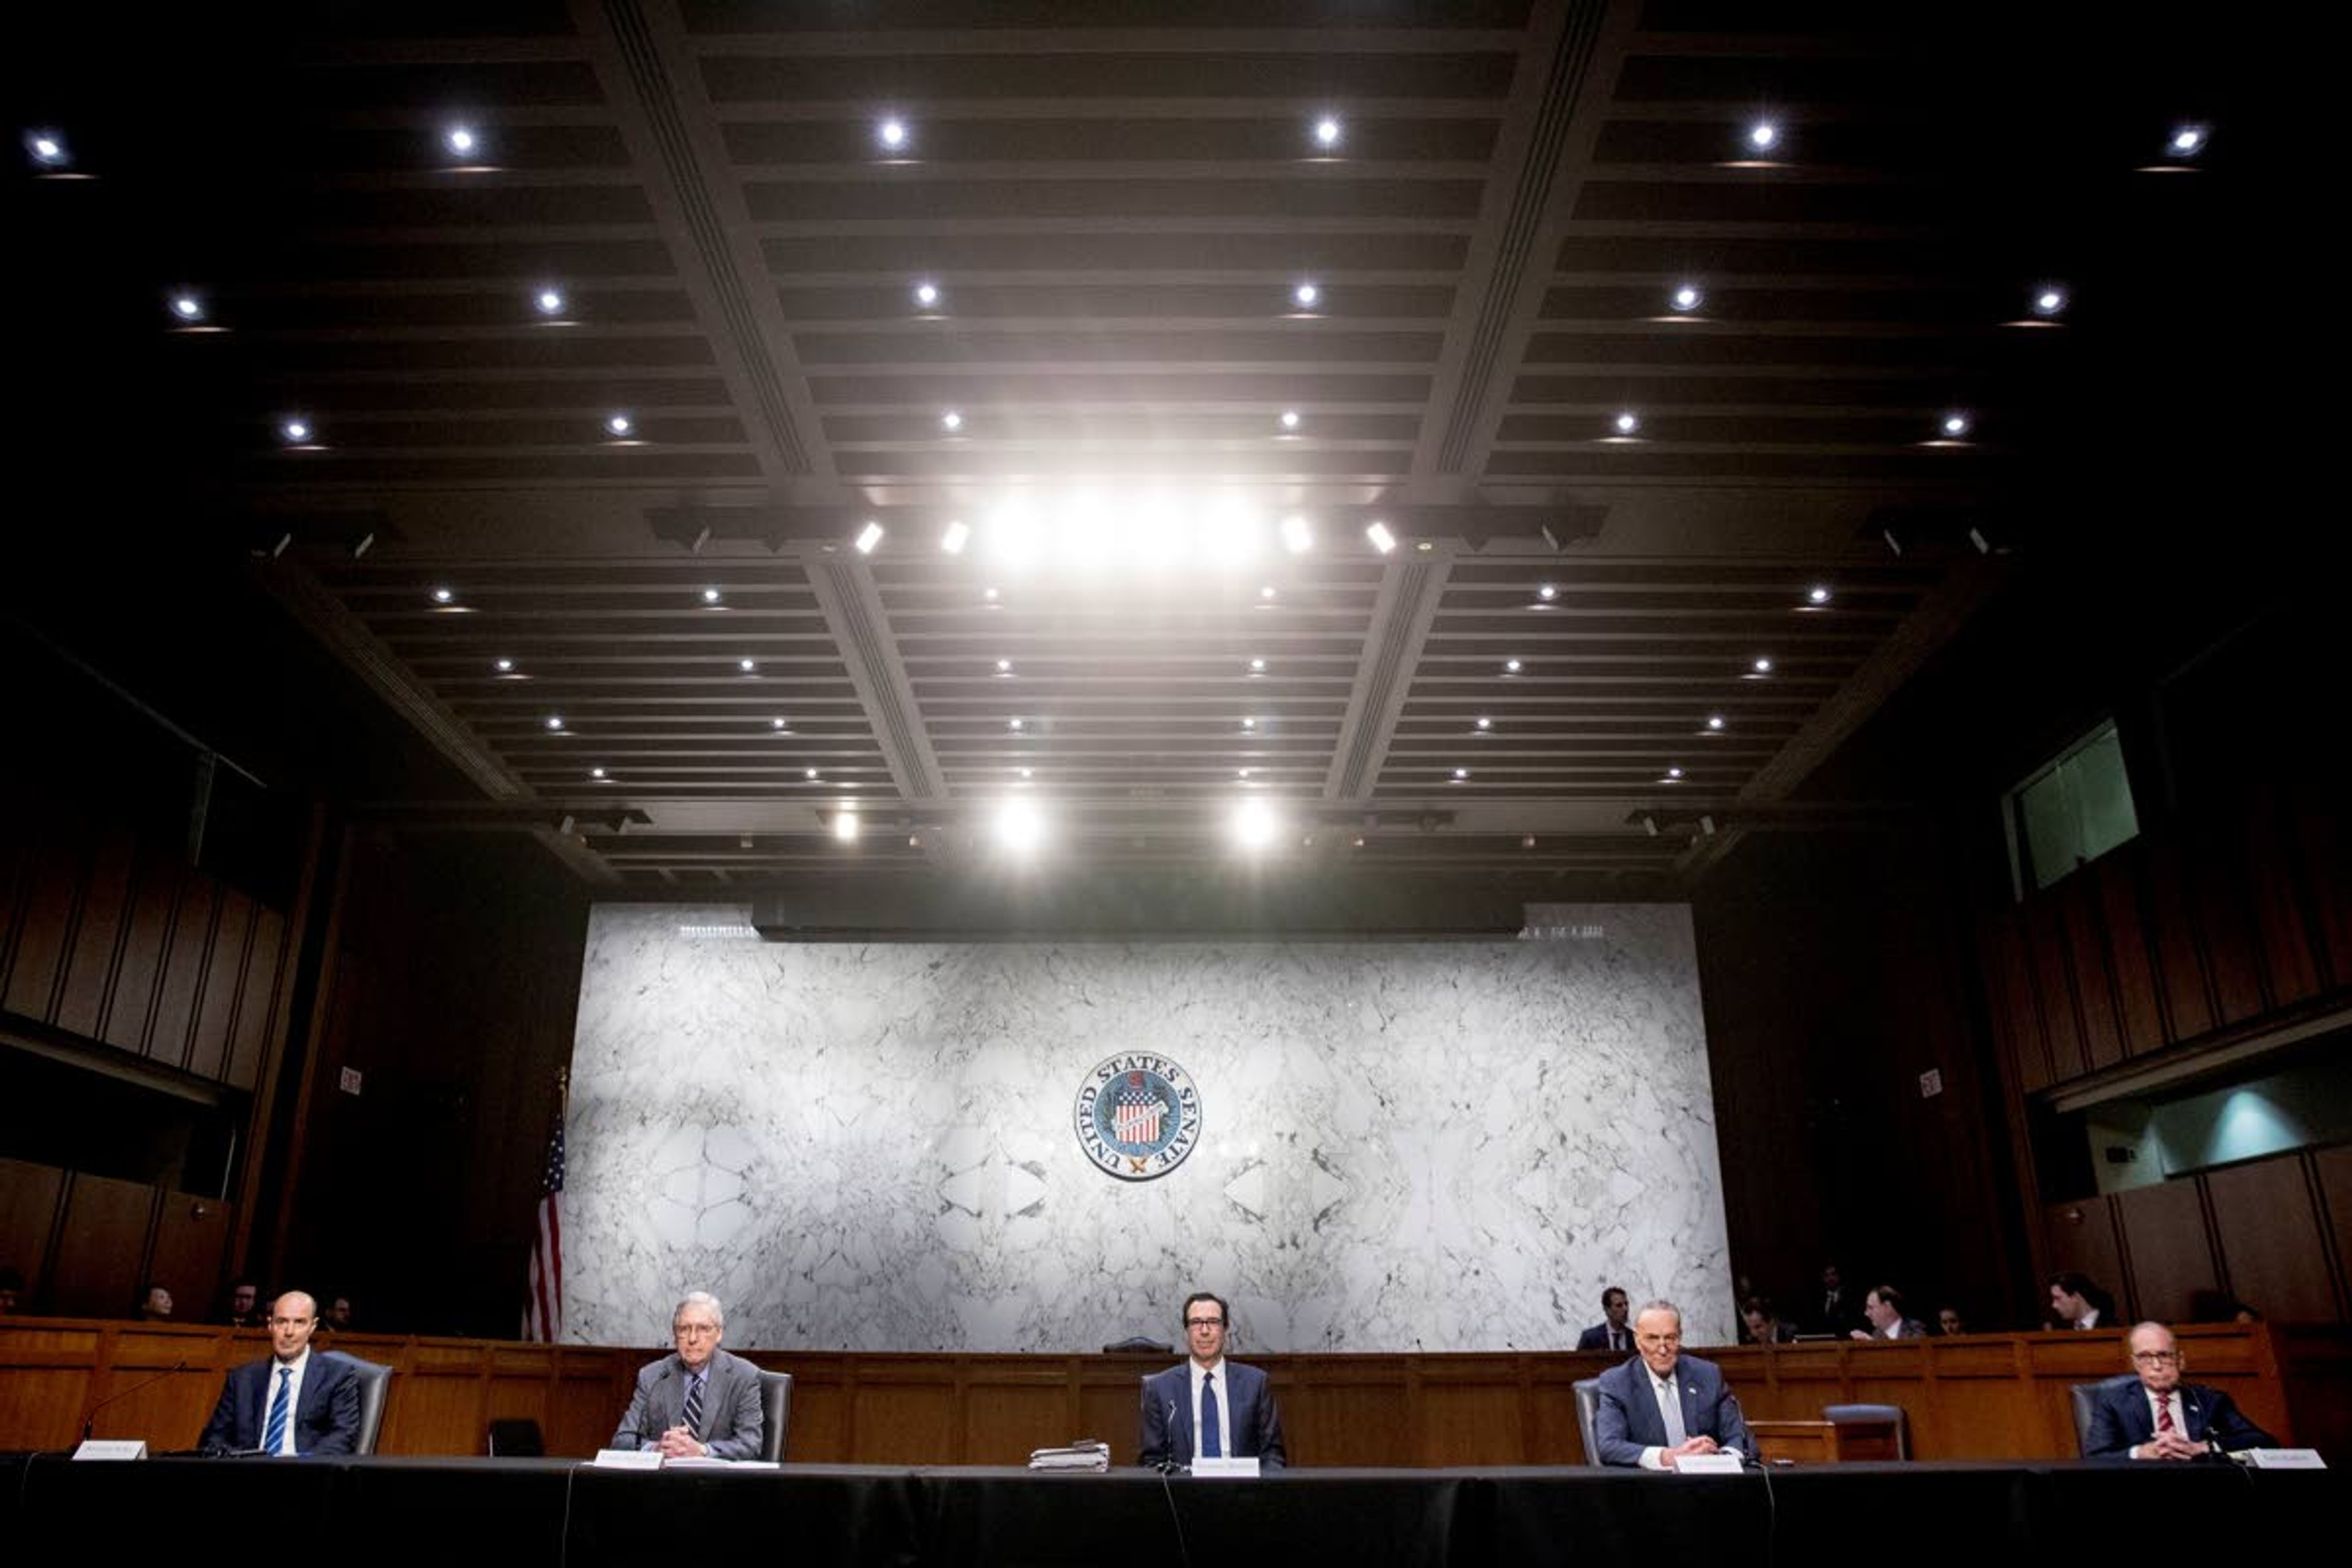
[{"x": 700, "y": 1401}]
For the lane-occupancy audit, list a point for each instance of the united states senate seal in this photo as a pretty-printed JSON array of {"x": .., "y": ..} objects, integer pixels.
[{"x": 1139, "y": 1115}]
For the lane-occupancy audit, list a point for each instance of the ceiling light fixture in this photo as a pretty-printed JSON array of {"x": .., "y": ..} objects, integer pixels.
[
  {"x": 1511, "y": 667},
  {"x": 893, "y": 134},
  {"x": 1545, "y": 593},
  {"x": 1715, "y": 722},
  {"x": 927, "y": 295},
  {"x": 1818, "y": 594},
  {"x": 844, "y": 825},
  {"x": 555, "y": 722},
  {"x": 595, "y": 772},
  {"x": 1257, "y": 666},
  {"x": 298, "y": 432},
  {"x": 955, "y": 538},
  {"x": 1004, "y": 667},
  {"x": 1484, "y": 724},
  {"x": 1296, "y": 537},
  {"x": 2188, "y": 141},
  {"x": 1307, "y": 296},
  {"x": 1382, "y": 539},
  {"x": 1673, "y": 776},
  {"x": 951, "y": 421},
  {"x": 1329, "y": 132},
  {"x": 749, "y": 667},
  {"x": 619, "y": 426},
  {"x": 2049, "y": 301},
  {"x": 1460, "y": 774},
  {"x": 1761, "y": 667},
  {"x": 1763, "y": 136},
  {"x": 1627, "y": 423},
  {"x": 780, "y": 726},
  {"x": 445, "y": 596},
  {"x": 1256, "y": 825},
  {"x": 187, "y": 308},
  {"x": 1290, "y": 419},
  {"x": 1019, "y": 826},
  {"x": 462, "y": 140},
  {"x": 47, "y": 148},
  {"x": 503, "y": 666},
  {"x": 1687, "y": 298},
  {"x": 868, "y": 537},
  {"x": 711, "y": 596},
  {"x": 1956, "y": 426}
]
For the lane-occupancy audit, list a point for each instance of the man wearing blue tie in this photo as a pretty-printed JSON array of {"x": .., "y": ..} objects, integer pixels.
[
  {"x": 699, "y": 1403},
  {"x": 290, "y": 1401},
  {"x": 1208, "y": 1408},
  {"x": 1663, "y": 1404}
]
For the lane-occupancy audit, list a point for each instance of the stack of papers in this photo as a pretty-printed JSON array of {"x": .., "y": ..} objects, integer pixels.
[{"x": 1087, "y": 1454}]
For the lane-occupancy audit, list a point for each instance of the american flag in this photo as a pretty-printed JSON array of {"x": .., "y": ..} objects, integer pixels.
[
  {"x": 544, "y": 1318},
  {"x": 1135, "y": 1115}
]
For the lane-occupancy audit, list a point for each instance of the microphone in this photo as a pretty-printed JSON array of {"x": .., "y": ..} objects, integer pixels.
[{"x": 90, "y": 1420}]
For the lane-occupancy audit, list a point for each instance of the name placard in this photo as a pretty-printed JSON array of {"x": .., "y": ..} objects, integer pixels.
[
  {"x": 2285, "y": 1459},
  {"x": 1227, "y": 1468},
  {"x": 111, "y": 1449},
  {"x": 628, "y": 1459},
  {"x": 1707, "y": 1465}
]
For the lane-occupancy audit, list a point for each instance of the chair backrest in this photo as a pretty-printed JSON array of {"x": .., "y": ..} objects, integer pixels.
[
  {"x": 2084, "y": 1397},
  {"x": 517, "y": 1437},
  {"x": 775, "y": 1413},
  {"x": 1588, "y": 1417},
  {"x": 1874, "y": 1416},
  {"x": 375, "y": 1383}
]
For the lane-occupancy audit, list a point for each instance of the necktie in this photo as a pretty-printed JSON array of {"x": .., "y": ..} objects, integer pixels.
[
  {"x": 273, "y": 1437},
  {"x": 1212, "y": 1446},
  {"x": 694, "y": 1404},
  {"x": 1670, "y": 1410},
  {"x": 2164, "y": 1427}
]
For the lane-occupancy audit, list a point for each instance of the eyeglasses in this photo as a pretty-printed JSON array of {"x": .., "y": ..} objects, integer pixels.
[
  {"x": 1204, "y": 1322},
  {"x": 693, "y": 1331},
  {"x": 2155, "y": 1358}
]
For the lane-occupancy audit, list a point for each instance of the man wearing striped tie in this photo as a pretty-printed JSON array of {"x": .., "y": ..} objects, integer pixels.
[
  {"x": 290, "y": 1401},
  {"x": 700, "y": 1402}
]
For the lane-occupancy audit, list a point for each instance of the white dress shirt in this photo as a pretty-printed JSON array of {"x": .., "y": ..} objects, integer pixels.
[
  {"x": 300, "y": 1363},
  {"x": 1225, "y": 1407}
]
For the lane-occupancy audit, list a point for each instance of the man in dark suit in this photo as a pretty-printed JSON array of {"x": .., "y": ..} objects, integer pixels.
[
  {"x": 289, "y": 1401},
  {"x": 1882, "y": 1305},
  {"x": 1612, "y": 1333},
  {"x": 1209, "y": 1407},
  {"x": 1837, "y": 1315},
  {"x": 699, "y": 1402},
  {"x": 2157, "y": 1417},
  {"x": 1664, "y": 1406},
  {"x": 1764, "y": 1325}
]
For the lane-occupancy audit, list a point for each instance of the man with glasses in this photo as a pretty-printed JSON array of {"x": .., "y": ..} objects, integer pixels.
[
  {"x": 2157, "y": 1417},
  {"x": 1208, "y": 1408},
  {"x": 1663, "y": 1405},
  {"x": 698, "y": 1402},
  {"x": 289, "y": 1401}
]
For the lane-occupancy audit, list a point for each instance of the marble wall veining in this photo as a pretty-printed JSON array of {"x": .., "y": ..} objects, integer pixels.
[{"x": 1439, "y": 1146}]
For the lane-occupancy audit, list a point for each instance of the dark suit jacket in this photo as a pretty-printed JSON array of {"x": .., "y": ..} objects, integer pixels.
[
  {"x": 732, "y": 1420},
  {"x": 326, "y": 1418},
  {"x": 2121, "y": 1420},
  {"x": 1596, "y": 1338},
  {"x": 1628, "y": 1419},
  {"x": 1250, "y": 1416}
]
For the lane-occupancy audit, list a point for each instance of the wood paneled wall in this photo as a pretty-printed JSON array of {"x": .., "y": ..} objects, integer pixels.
[
  {"x": 1981, "y": 1396},
  {"x": 86, "y": 1244},
  {"x": 122, "y": 944}
]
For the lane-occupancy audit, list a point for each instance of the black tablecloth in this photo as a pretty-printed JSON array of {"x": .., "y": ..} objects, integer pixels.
[{"x": 178, "y": 1513}]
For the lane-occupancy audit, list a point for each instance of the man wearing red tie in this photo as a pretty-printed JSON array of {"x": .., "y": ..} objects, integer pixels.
[{"x": 2154, "y": 1416}]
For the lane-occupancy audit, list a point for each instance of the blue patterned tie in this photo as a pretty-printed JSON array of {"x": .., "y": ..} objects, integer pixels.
[
  {"x": 694, "y": 1404},
  {"x": 273, "y": 1437},
  {"x": 1211, "y": 1446}
]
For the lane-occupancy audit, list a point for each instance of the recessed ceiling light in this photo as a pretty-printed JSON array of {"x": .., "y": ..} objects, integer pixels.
[
  {"x": 1307, "y": 296},
  {"x": 1461, "y": 773},
  {"x": 445, "y": 596},
  {"x": 503, "y": 666},
  {"x": 1674, "y": 773},
  {"x": 47, "y": 148},
  {"x": 1687, "y": 298},
  {"x": 1004, "y": 667},
  {"x": 555, "y": 721},
  {"x": 955, "y": 538},
  {"x": 1328, "y": 132},
  {"x": 1627, "y": 423},
  {"x": 1510, "y": 666},
  {"x": 549, "y": 301},
  {"x": 1818, "y": 594},
  {"x": 1714, "y": 721},
  {"x": 1257, "y": 666},
  {"x": 1763, "y": 136},
  {"x": 1762, "y": 666},
  {"x": 1266, "y": 594},
  {"x": 462, "y": 140},
  {"x": 844, "y": 825},
  {"x": 187, "y": 308},
  {"x": 1296, "y": 537},
  {"x": 1382, "y": 539},
  {"x": 868, "y": 537},
  {"x": 927, "y": 295},
  {"x": 1290, "y": 418},
  {"x": 893, "y": 134},
  {"x": 988, "y": 594},
  {"x": 1013, "y": 723},
  {"x": 2049, "y": 301},
  {"x": 296, "y": 432},
  {"x": 1545, "y": 593},
  {"x": 1241, "y": 773},
  {"x": 780, "y": 726},
  {"x": 950, "y": 422},
  {"x": 1254, "y": 824},
  {"x": 619, "y": 426},
  {"x": 1248, "y": 722},
  {"x": 810, "y": 775},
  {"x": 595, "y": 772},
  {"x": 1956, "y": 424},
  {"x": 711, "y": 596},
  {"x": 2188, "y": 141},
  {"x": 749, "y": 667},
  {"x": 1018, "y": 827},
  {"x": 1485, "y": 723}
]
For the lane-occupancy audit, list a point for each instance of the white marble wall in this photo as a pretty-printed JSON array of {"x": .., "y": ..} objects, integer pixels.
[{"x": 1405, "y": 1146}]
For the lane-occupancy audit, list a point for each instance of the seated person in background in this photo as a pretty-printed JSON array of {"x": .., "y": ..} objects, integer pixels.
[
  {"x": 1882, "y": 1305},
  {"x": 1837, "y": 1315},
  {"x": 698, "y": 1401},
  {"x": 1208, "y": 1408},
  {"x": 1949, "y": 1322},
  {"x": 243, "y": 1309},
  {"x": 338, "y": 1314},
  {"x": 1764, "y": 1327},
  {"x": 289, "y": 1401},
  {"x": 1613, "y": 1332},
  {"x": 2077, "y": 1301},
  {"x": 154, "y": 1304},
  {"x": 1664, "y": 1406},
  {"x": 2161, "y": 1417}
]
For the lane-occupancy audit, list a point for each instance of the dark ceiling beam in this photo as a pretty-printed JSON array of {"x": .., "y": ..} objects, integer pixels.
[
  {"x": 1411, "y": 591},
  {"x": 652, "y": 77},
  {"x": 853, "y": 609}
]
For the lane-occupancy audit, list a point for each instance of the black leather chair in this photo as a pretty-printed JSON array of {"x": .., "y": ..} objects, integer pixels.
[
  {"x": 775, "y": 1414},
  {"x": 517, "y": 1437},
  {"x": 1873, "y": 1415},
  {"x": 1588, "y": 1417},
  {"x": 375, "y": 1383},
  {"x": 2084, "y": 1398}
]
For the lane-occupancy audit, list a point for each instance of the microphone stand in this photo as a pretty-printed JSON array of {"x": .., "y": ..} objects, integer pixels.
[{"x": 90, "y": 1421}]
